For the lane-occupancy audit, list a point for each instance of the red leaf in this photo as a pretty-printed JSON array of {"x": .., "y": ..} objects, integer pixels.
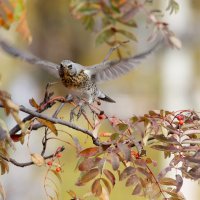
[
  {"x": 88, "y": 176},
  {"x": 179, "y": 181},
  {"x": 106, "y": 183},
  {"x": 127, "y": 172},
  {"x": 125, "y": 151},
  {"x": 133, "y": 179},
  {"x": 89, "y": 152},
  {"x": 144, "y": 172},
  {"x": 109, "y": 176},
  {"x": 96, "y": 187},
  {"x": 114, "y": 161},
  {"x": 88, "y": 164},
  {"x": 137, "y": 189}
]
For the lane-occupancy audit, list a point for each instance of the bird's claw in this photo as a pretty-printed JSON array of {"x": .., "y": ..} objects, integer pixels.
[
  {"x": 78, "y": 115},
  {"x": 72, "y": 114},
  {"x": 80, "y": 112}
]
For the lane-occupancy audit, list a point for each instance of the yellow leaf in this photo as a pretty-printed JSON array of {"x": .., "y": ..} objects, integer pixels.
[
  {"x": 48, "y": 124},
  {"x": 37, "y": 159}
]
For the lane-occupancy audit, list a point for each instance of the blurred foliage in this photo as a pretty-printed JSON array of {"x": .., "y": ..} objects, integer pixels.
[
  {"x": 112, "y": 20},
  {"x": 119, "y": 155},
  {"x": 13, "y": 11}
]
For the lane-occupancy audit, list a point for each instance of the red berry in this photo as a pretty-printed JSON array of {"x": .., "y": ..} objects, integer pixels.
[
  {"x": 59, "y": 155},
  {"x": 180, "y": 117},
  {"x": 16, "y": 138},
  {"x": 181, "y": 122},
  {"x": 101, "y": 117},
  {"x": 49, "y": 163},
  {"x": 58, "y": 169}
]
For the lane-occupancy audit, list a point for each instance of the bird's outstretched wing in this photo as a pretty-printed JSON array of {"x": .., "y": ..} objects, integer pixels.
[
  {"x": 28, "y": 57},
  {"x": 113, "y": 69}
]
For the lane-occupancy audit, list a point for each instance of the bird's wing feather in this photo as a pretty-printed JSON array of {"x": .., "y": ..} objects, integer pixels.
[
  {"x": 49, "y": 66},
  {"x": 113, "y": 69}
]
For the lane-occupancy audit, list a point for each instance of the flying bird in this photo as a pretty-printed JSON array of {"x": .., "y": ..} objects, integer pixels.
[{"x": 81, "y": 81}]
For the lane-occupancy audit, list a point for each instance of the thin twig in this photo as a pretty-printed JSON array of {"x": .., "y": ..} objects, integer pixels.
[
  {"x": 44, "y": 142},
  {"x": 18, "y": 164},
  {"x": 58, "y": 121}
]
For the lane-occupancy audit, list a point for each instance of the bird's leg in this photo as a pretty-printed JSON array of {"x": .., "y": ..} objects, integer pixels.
[
  {"x": 81, "y": 110},
  {"x": 93, "y": 112},
  {"x": 72, "y": 113},
  {"x": 69, "y": 98}
]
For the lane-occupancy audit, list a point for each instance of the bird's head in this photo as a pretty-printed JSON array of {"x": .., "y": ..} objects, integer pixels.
[{"x": 69, "y": 67}]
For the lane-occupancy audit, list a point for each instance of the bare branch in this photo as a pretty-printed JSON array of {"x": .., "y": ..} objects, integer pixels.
[
  {"x": 18, "y": 164},
  {"x": 58, "y": 121}
]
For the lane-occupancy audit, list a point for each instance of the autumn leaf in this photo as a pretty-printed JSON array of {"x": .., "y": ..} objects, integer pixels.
[
  {"x": 110, "y": 176},
  {"x": 107, "y": 185},
  {"x": 2, "y": 192},
  {"x": 137, "y": 189},
  {"x": 37, "y": 159},
  {"x": 125, "y": 151},
  {"x": 132, "y": 180},
  {"x": 96, "y": 187},
  {"x": 88, "y": 176},
  {"x": 33, "y": 103},
  {"x": 89, "y": 152},
  {"x": 48, "y": 124},
  {"x": 88, "y": 163},
  {"x": 127, "y": 172},
  {"x": 114, "y": 161}
]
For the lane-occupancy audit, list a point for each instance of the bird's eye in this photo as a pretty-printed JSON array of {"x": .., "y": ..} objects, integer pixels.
[{"x": 69, "y": 66}]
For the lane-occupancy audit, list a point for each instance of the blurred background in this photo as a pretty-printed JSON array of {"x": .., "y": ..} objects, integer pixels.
[{"x": 169, "y": 80}]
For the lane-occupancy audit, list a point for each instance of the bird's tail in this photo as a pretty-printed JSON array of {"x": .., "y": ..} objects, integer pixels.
[{"x": 107, "y": 98}]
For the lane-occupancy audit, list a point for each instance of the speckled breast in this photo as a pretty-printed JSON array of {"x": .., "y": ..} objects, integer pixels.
[{"x": 80, "y": 80}]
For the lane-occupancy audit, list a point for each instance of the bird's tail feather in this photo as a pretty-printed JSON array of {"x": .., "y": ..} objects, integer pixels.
[{"x": 107, "y": 98}]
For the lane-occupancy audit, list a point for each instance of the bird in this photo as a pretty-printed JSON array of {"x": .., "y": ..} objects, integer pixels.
[{"x": 82, "y": 81}]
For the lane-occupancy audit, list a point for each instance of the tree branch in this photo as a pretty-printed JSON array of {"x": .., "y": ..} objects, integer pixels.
[
  {"x": 57, "y": 121},
  {"x": 18, "y": 164}
]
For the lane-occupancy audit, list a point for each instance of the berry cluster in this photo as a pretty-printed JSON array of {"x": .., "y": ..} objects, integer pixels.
[
  {"x": 180, "y": 119},
  {"x": 52, "y": 162}
]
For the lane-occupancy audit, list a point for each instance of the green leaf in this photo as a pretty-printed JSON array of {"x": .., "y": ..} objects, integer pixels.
[
  {"x": 173, "y": 6},
  {"x": 114, "y": 136},
  {"x": 127, "y": 34},
  {"x": 134, "y": 119},
  {"x": 88, "y": 11},
  {"x": 88, "y": 22},
  {"x": 122, "y": 126},
  {"x": 104, "y": 36},
  {"x": 19, "y": 8}
]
